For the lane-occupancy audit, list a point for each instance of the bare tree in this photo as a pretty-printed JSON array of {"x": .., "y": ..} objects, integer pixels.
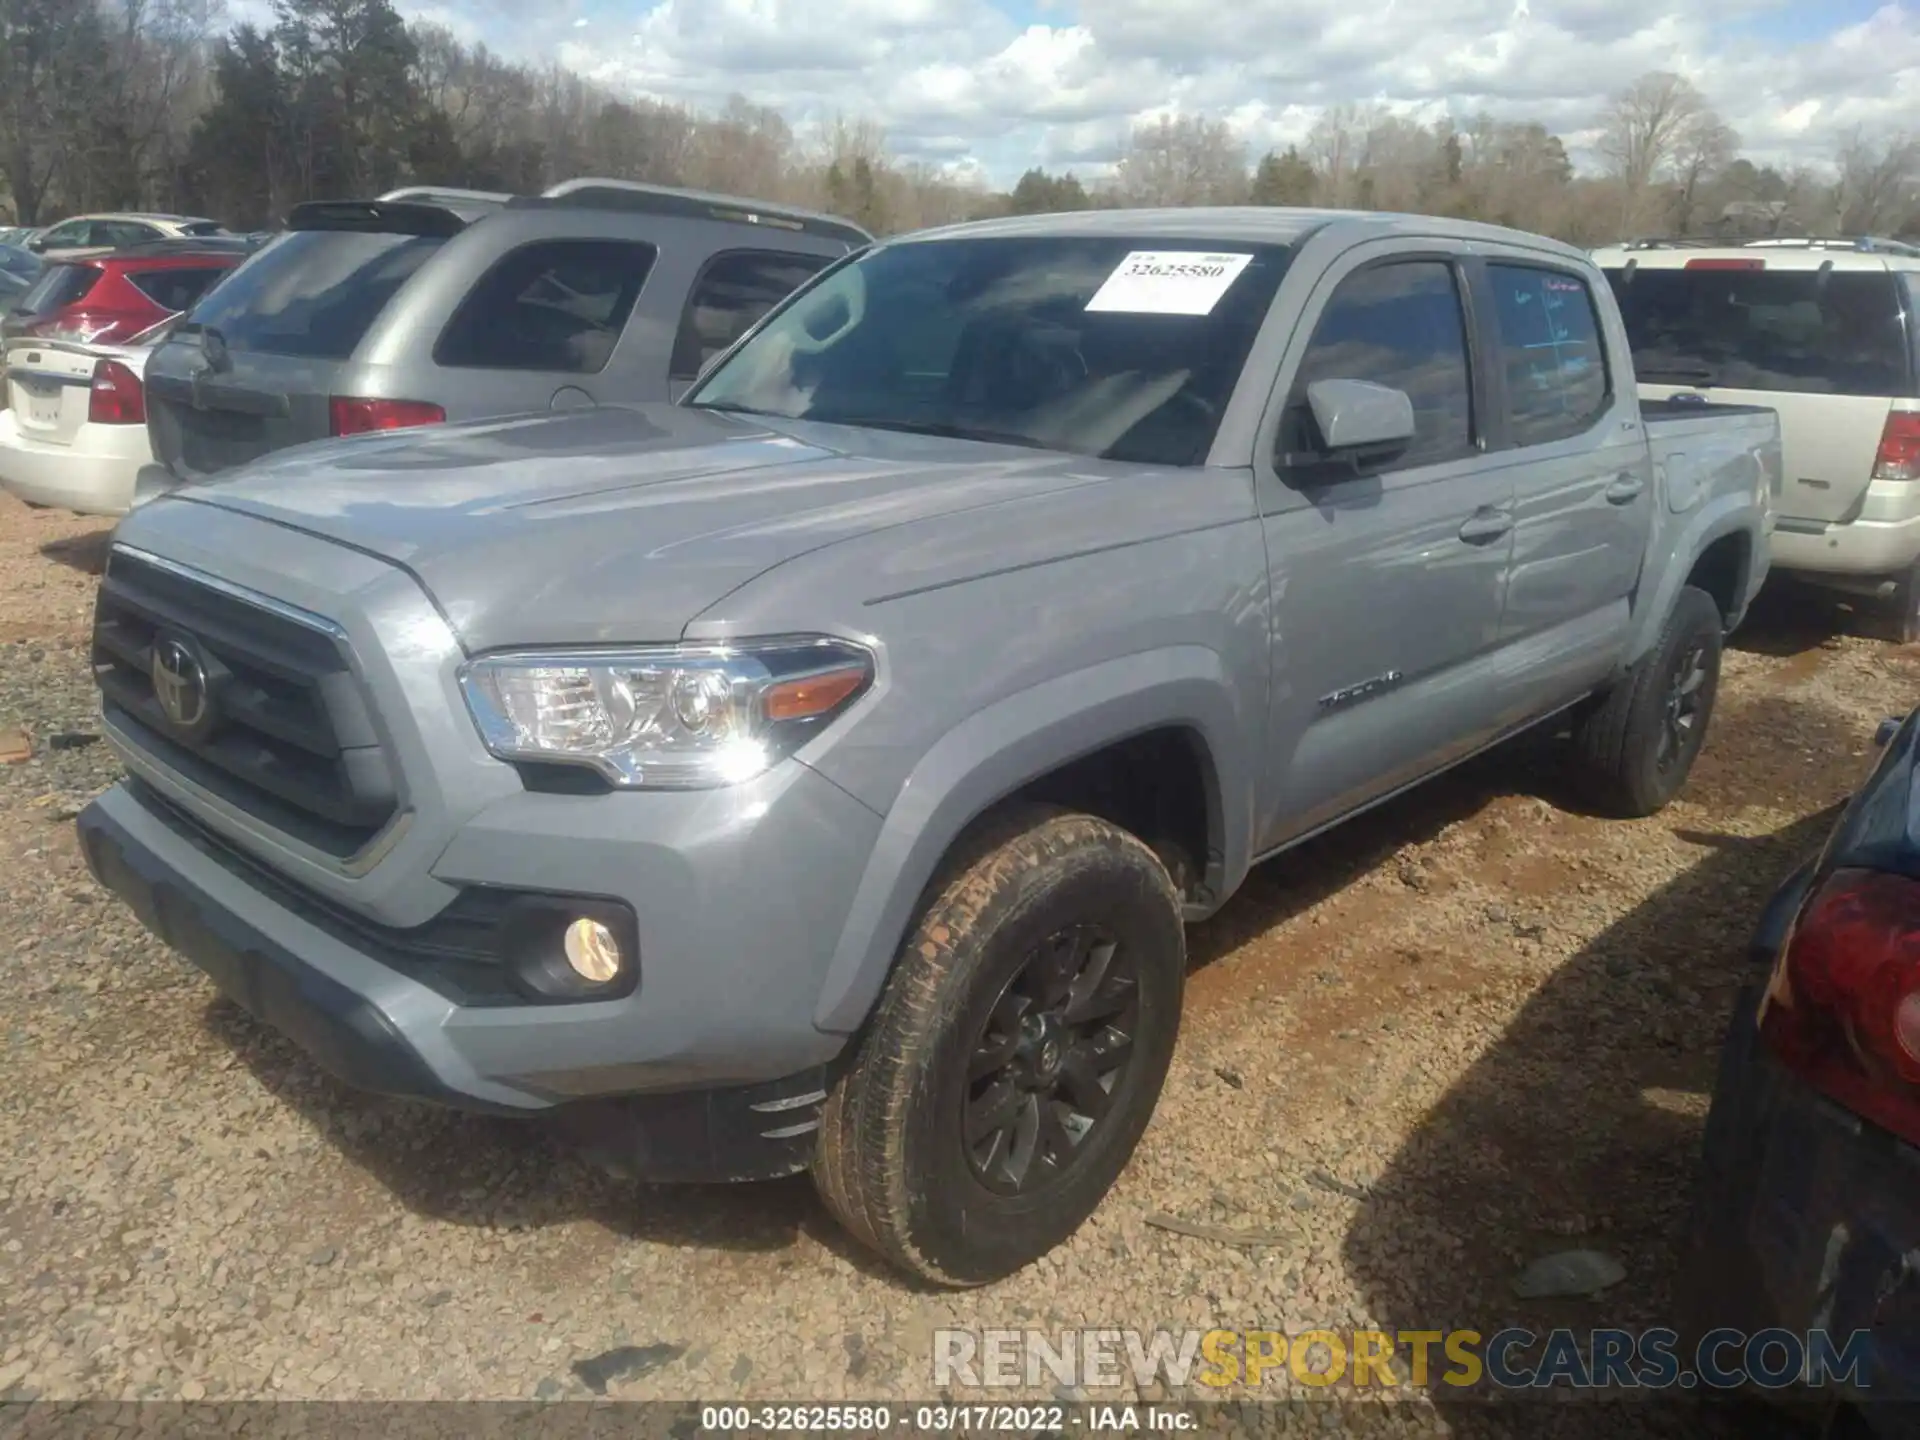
[
  {"x": 1658, "y": 124},
  {"x": 1879, "y": 189},
  {"x": 1184, "y": 160},
  {"x": 1702, "y": 151}
]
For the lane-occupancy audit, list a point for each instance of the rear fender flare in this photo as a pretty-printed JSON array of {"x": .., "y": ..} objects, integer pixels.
[{"x": 1727, "y": 515}]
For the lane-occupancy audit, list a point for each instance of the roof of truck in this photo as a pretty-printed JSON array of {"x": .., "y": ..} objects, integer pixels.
[{"x": 1259, "y": 224}]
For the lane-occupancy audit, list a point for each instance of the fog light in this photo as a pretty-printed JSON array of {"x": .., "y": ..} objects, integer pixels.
[{"x": 592, "y": 950}]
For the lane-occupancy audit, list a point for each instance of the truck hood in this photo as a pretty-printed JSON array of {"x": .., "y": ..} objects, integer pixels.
[{"x": 617, "y": 525}]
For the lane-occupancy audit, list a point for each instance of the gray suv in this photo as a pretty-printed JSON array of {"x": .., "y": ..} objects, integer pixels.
[{"x": 434, "y": 305}]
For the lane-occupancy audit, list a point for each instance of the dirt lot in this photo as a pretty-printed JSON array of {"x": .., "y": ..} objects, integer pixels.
[{"x": 1471, "y": 1029}]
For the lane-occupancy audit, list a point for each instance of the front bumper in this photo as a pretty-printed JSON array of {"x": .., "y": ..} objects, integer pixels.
[
  {"x": 1804, "y": 1220},
  {"x": 677, "y": 1109}
]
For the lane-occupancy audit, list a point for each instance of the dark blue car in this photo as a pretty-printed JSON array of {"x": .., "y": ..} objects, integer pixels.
[{"x": 1808, "y": 1214}]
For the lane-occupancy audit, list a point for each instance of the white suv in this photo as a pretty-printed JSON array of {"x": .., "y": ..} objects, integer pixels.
[{"x": 1827, "y": 333}]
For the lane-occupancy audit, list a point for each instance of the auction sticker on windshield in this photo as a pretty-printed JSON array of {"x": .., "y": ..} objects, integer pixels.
[{"x": 1169, "y": 282}]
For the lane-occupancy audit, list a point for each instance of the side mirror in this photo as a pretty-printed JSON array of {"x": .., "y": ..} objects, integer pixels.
[
  {"x": 38, "y": 244},
  {"x": 1358, "y": 415}
]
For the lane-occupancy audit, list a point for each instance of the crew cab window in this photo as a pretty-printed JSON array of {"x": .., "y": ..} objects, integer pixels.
[
  {"x": 733, "y": 291},
  {"x": 1401, "y": 325},
  {"x": 1550, "y": 351},
  {"x": 556, "y": 305}
]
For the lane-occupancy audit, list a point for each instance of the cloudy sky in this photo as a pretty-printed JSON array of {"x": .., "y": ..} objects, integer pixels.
[{"x": 1004, "y": 84}]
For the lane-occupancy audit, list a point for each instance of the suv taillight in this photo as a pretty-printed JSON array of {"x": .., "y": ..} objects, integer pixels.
[
  {"x": 1843, "y": 1007},
  {"x": 354, "y": 416},
  {"x": 1899, "y": 455},
  {"x": 117, "y": 396}
]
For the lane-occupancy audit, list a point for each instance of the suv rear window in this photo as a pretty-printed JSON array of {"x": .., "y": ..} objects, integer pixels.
[
  {"x": 556, "y": 305},
  {"x": 1840, "y": 333},
  {"x": 57, "y": 288},
  {"x": 313, "y": 293},
  {"x": 175, "y": 289}
]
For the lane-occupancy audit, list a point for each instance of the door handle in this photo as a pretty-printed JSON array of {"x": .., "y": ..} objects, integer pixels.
[
  {"x": 1625, "y": 489},
  {"x": 1485, "y": 526}
]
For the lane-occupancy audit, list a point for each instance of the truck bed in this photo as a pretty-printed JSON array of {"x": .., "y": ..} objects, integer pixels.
[{"x": 1675, "y": 408}]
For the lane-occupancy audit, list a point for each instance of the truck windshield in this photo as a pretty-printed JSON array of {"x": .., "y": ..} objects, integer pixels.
[
  {"x": 1127, "y": 349},
  {"x": 1772, "y": 330}
]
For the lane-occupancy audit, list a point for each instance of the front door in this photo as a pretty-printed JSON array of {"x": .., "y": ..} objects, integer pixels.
[{"x": 1388, "y": 580}]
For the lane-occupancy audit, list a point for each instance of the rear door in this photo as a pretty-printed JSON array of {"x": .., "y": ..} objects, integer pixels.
[
  {"x": 539, "y": 327},
  {"x": 1824, "y": 346},
  {"x": 48, "y": 390},
  {"x": 253, "y": 369},
  {"x": 1582, "y": 488},
  {"x": 733, "y": 290}
]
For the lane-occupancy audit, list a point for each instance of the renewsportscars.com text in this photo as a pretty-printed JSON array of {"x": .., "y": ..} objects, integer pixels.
[{"x": 1462, "y": 1360}]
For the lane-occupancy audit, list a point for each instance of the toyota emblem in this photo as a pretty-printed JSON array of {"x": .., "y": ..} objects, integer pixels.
[{"x": 180, "y": 683}]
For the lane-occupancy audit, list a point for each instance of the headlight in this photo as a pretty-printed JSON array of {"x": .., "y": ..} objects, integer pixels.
[{"x": 677, "y": 717}]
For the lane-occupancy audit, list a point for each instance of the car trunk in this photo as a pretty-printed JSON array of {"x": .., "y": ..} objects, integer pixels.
[
  {"x": 203, "y": 421},
  {"x": 1826, "y": 349},
  {"x": 49, "y": 387},
  {"x": 252, "y": 369}
]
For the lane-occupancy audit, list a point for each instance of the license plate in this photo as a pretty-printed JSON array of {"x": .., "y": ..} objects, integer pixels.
[{"x": 43, "y": 409}]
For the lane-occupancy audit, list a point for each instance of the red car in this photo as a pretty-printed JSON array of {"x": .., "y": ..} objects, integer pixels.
[{"x": 110, "y": 299}]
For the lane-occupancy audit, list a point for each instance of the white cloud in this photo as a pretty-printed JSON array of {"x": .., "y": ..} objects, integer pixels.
[{"x": 1004, "y": 84}]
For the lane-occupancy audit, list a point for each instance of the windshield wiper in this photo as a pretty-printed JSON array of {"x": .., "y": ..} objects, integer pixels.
[
  {"x": 944, "y": 429},
  {"x": 730, "y": 407}
]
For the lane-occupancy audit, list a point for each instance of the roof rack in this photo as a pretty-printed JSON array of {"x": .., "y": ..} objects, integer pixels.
[
  {"x": 1869, "y": 244},
  {"x": 390, "y": 217},
  {"x": 603, "y": 194},
  {"x": 1691, "y": 242}
]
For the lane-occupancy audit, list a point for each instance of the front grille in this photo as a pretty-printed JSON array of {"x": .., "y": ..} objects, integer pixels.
[
  {"x": 456, "y": 953},
  {"x": 286, "y": 735}
]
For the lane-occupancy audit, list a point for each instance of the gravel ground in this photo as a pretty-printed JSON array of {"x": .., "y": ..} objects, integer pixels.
[{"x": 1467, "y": 1030}]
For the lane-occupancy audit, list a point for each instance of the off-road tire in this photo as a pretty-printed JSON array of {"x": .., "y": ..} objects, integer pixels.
[
  {"x": 1618, "y": 742},
  {"x": 893, "y": 1165}
]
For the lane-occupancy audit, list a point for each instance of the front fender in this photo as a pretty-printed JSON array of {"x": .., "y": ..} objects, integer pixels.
[{"x": 997, "y": 750}]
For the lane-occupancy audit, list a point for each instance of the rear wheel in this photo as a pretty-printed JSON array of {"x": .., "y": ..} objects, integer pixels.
[
  {"x": 1638, "y": 744},
  {"x": 1016, "y": 1054}
]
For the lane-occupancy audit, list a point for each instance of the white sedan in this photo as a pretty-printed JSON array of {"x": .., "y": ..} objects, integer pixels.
[{"x": 74, "y": 433}]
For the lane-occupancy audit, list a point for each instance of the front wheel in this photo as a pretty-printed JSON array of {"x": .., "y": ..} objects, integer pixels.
[
  {"x": 1016, "y": 1054},
  {"x": 1638, "y": 744}
]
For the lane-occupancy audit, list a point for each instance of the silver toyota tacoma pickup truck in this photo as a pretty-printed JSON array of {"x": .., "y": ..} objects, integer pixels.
[{"x": 818, "y": 772}]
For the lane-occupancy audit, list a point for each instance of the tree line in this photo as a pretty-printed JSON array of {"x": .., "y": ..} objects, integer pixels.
[{"x": 156, "y": 104}]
